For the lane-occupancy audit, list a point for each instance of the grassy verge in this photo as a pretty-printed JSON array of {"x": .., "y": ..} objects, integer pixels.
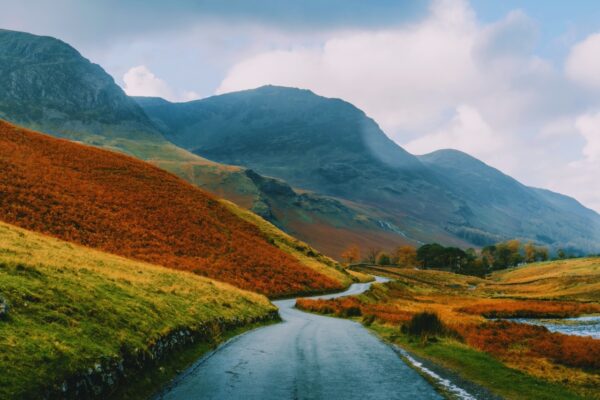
[
  {"x": 480, "y": 368},
  {"x": 74, "y": 311},
  {"x": 152, "y": 381}
]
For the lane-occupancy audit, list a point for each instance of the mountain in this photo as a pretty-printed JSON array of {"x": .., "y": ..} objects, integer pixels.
[
  {"x": 497, "y": 199},
  {"x": 327, "y": 146},
  {"x": 46, "y": 82},
  {"x": 318, "y": 168},
  {"x": 46, "y": 85},
  {"x": 124, "y": 206},
  {"x": 331, "y": 147}
]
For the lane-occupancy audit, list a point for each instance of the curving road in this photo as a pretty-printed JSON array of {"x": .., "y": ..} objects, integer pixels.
[{"x": 306, "y": 357}]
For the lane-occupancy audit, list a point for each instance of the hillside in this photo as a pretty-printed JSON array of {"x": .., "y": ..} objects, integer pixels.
[
  {"x": 48, "y": 86},
  {"x": 331, "y": 147},
  {"x": 72, "y": 309},
  {"x": 120, "y": 205},
  {"x": 575, "y": 279},
  {"x": 501, "y": 201}
]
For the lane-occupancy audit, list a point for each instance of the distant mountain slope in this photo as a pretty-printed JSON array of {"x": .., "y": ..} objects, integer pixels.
[
  {"x": 48, "y": 86},
  {"x": 288, "y": 133},
  {"x": 121, "y": 205},
  {"x": 497, "y": 199},
  {"x": 324, "y": 145},
  {"x": 331, "y": 147},
  {"x": 82, "y": 323}
]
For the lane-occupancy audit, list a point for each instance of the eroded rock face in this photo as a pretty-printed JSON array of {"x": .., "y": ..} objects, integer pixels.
[{"x": 107, "y": 373}]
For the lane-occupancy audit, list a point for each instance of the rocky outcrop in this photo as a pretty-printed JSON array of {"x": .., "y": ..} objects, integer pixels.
[
  {"x": 105, "y": 375},
  {"x": 46, "y": 84},
  {"x": 4, "y": 308}
]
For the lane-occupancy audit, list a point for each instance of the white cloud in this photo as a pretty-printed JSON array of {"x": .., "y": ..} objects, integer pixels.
[
  {"x": 589, "y": 127},
  {"x": 394, "y": 75},
  {"x": 583, "y": 63},
  {"x": 466, "y": 131},
  {"x": 140, "y": 81},
  {"x": 451, "y": 81}
]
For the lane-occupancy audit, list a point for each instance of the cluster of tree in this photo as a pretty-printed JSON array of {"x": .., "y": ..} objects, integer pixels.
[
  {"x": 469, "y": 262},
  {"x": 405, "y": 256}
]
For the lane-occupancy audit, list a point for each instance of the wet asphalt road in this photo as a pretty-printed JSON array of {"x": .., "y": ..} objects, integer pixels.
[{"x": 305, "y": 357}]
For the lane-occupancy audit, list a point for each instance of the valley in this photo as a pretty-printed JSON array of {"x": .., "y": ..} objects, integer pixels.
[
  {"x": 271, "y": 243},
  {"x": 303, "y": 354},
  {"x": 477, "y": 336}
]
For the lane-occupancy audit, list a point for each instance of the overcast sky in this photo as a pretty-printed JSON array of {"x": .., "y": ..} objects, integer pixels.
[{"x": 514, "y": 83}]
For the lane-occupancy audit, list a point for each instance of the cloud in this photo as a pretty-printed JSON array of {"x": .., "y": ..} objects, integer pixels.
[
  {"x": 394, "y": 75},
  {"x": 589, "y": 127},
  {"x": 140, "y": 81},
  {"x": 449, "y": 80},
  {"x": 583, "y": 62},
  {"x": 467, "y": 131}
]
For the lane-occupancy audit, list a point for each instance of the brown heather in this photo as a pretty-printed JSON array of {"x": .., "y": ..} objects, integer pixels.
[{"x": 117, "y": 204}]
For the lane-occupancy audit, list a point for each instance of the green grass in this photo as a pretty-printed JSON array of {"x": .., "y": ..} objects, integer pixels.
[
  {"x": 480, "y": 368},
  {"x": 151, "y": 381},
  {"x": 72, "y": 307}
]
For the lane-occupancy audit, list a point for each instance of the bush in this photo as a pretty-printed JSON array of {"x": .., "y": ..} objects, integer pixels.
[
  {"x": 383, "y": 259},
  {"x": 425, "y": 324},
  {"x": 351, "y": 312},
  {"x": 368, "y": 320}
]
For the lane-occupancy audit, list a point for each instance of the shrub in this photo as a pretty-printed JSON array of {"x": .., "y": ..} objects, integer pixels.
[
  {"x": 383, "y": 259},
  {"x": 425, "y": 324},
  {"x": 368, "y": 320},
  {"x": 351, "y": 312}
]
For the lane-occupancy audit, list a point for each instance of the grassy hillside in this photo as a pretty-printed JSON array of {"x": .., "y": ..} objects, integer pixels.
[
  {"x": 120, "y": 205},
  {"x": 516, "y": 361},
  {"x": 305, "y": 254},
  {"x": 577, "y": 279},
  {"x": 73, "y": 309}
]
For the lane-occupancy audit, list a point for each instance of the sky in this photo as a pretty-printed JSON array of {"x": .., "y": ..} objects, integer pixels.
[{"x": 513, "y": 83}]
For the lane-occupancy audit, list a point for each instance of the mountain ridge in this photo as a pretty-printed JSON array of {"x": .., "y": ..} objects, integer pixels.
[
  {"x": 48, "y": 86},
  {"x": 331, "y": 147}
]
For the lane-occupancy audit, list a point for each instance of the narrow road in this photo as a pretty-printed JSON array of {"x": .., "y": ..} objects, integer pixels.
[{"x": 306, "y": 357}]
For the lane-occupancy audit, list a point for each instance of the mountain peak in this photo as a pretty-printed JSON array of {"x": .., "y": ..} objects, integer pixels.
[{"x": 63, "y": 92}]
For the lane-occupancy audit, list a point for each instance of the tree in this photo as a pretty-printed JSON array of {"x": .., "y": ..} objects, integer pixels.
[
  {"x": 428, "y": 255},
  {"x": 561, "y": 254},
  {"x": 488, "y": 257},
  {"x": 507, "y": 254},
  {"x": 383, "y": 258},
  {"x": 351, "y": 254},
  {"x": 530, "y": 252},
  {"x": 372, "y": 253},
  {"x": 405, "y": 256},
  {"x": 541, "y": 254}
]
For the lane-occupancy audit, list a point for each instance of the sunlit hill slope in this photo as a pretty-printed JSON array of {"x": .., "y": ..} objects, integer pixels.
[
  {"x": 73, "y": 310},
  {"x": 117, "y": 204}
]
